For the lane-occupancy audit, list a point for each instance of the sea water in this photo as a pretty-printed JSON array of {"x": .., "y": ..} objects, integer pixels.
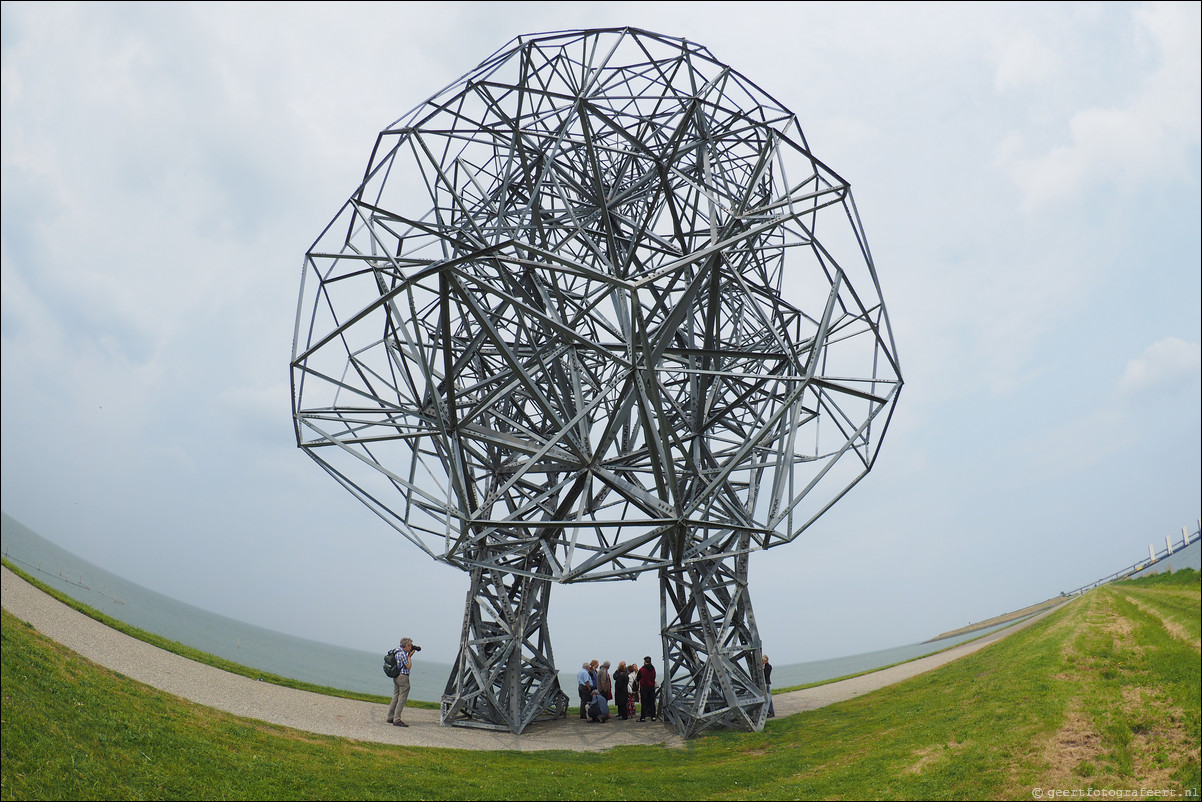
[
  {"x": 312, "y": 661},
  {"x": 233, "y": 640}
]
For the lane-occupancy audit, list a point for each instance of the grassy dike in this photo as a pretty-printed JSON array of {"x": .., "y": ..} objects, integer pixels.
[{"x": 1104, "y": 694}]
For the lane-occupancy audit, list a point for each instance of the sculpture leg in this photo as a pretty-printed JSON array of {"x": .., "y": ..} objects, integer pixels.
[
  {"x": 504, "y": 677},
  {"x": 712, "y": 648}
]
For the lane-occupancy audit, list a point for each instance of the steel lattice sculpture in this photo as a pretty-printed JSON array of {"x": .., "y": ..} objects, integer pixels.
[{"x": 596, "y": 310}]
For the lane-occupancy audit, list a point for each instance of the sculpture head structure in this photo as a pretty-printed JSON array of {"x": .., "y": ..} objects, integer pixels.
[{"x": 596, "y": 310}]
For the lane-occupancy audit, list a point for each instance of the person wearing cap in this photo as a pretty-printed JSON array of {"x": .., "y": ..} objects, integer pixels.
[{"x": 400, "y": 683}]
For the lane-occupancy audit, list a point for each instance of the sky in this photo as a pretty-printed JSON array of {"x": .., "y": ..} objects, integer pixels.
[{"x": 1027, "y": 176}]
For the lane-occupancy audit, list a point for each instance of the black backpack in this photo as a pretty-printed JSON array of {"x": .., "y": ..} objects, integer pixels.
[{"x": 391, "y": 667}]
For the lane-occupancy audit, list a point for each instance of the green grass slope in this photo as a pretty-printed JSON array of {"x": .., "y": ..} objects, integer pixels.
[{"x": 1103, "y": 695}]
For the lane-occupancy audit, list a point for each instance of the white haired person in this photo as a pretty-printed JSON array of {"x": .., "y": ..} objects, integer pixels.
[
  {"x": 400, "y": 683},
  {"x": 598, "y": 709},
  {"x": 584, "y": 688}
]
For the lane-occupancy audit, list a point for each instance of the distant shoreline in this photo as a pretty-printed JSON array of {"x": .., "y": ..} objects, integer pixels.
[{"x": 1001, "y": 619}]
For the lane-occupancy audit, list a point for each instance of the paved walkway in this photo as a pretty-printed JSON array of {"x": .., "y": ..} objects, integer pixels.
[{"x": 364, "y": 721}]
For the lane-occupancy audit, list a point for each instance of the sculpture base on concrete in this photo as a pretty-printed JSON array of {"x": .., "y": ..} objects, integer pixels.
[
  {"x": 715, "y": 677},
  {"x": 504, "y": 677}
]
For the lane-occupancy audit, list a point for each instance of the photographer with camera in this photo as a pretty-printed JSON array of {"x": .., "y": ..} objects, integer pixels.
[{"x": 400, "y": 683}]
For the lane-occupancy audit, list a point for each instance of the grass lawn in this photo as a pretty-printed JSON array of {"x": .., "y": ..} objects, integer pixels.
[{"x": 1103, "y": 694}]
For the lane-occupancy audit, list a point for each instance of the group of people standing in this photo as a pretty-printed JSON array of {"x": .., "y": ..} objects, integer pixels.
[{"x": 629, "y": 685}]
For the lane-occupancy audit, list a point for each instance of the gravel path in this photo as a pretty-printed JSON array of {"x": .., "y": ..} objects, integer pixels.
[{"x": 364, "y": 721}]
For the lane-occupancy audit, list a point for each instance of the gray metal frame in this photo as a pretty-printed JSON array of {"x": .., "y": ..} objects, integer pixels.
[{"x": 596, "y": 310}]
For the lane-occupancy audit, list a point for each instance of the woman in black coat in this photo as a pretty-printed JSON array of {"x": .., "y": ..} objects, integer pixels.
[{"x": 621, "y": 689}]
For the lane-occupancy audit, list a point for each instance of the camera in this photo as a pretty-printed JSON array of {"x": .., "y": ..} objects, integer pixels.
[{"x": 416, "y": 648}]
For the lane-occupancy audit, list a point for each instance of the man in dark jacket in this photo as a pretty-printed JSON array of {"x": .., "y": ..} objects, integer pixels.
[
  {"x": 768, "y": 686},
  {"x": 647, "y": 691}
]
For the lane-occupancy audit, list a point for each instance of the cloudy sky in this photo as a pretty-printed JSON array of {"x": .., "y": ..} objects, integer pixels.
[{"x": 1027, "y": 174}]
